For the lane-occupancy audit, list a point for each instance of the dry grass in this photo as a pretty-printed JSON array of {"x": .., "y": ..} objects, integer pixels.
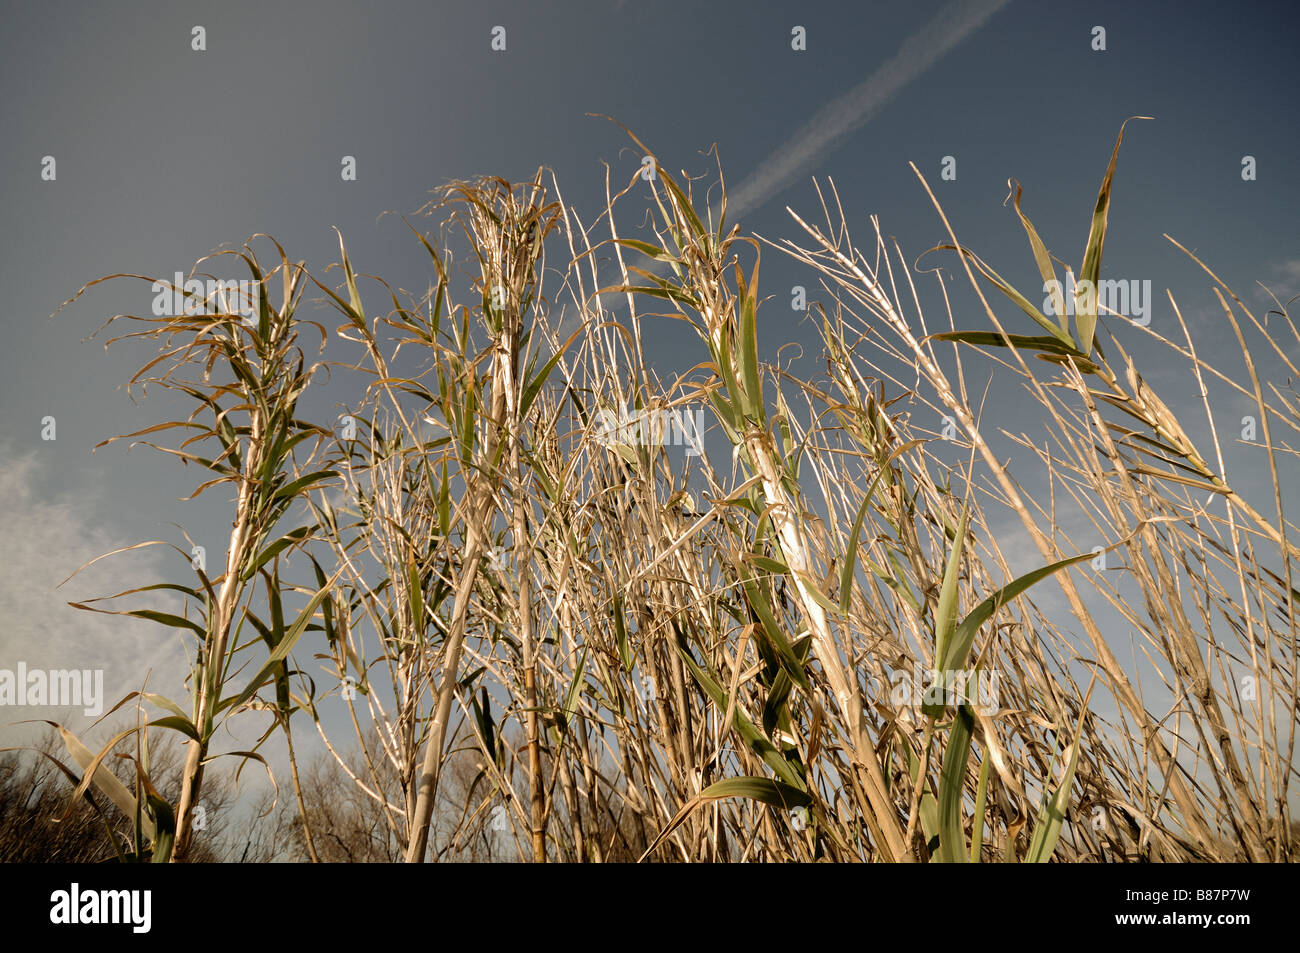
[{"x": 630, "y": 651}]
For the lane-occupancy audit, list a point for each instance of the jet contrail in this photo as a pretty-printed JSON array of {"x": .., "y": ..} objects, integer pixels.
[
  {"x": 846, "y": 113},
  {"x": 850, "y": 111}
]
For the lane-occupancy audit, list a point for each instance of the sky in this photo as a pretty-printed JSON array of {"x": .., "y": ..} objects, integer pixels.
[{"x": 163, "y": 154}]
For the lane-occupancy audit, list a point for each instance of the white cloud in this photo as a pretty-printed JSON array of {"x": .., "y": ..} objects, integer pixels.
[
  {"x": 44, "y": 541},
  {"x": 1289, "y": 269}
]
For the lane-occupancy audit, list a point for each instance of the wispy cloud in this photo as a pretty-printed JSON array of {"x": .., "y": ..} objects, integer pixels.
[
  {"x": 850, "y": 111},
  {"x": 1290, "y": 269},
  {"x": 44, "y": 541}
]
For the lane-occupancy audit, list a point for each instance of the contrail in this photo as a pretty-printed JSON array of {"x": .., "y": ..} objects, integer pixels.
[
  {"x": 850, "y": 111},
  {"x": 846, "y": 113}
]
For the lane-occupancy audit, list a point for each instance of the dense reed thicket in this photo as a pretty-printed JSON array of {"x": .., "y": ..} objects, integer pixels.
[{"x": 546, "y": 607}]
